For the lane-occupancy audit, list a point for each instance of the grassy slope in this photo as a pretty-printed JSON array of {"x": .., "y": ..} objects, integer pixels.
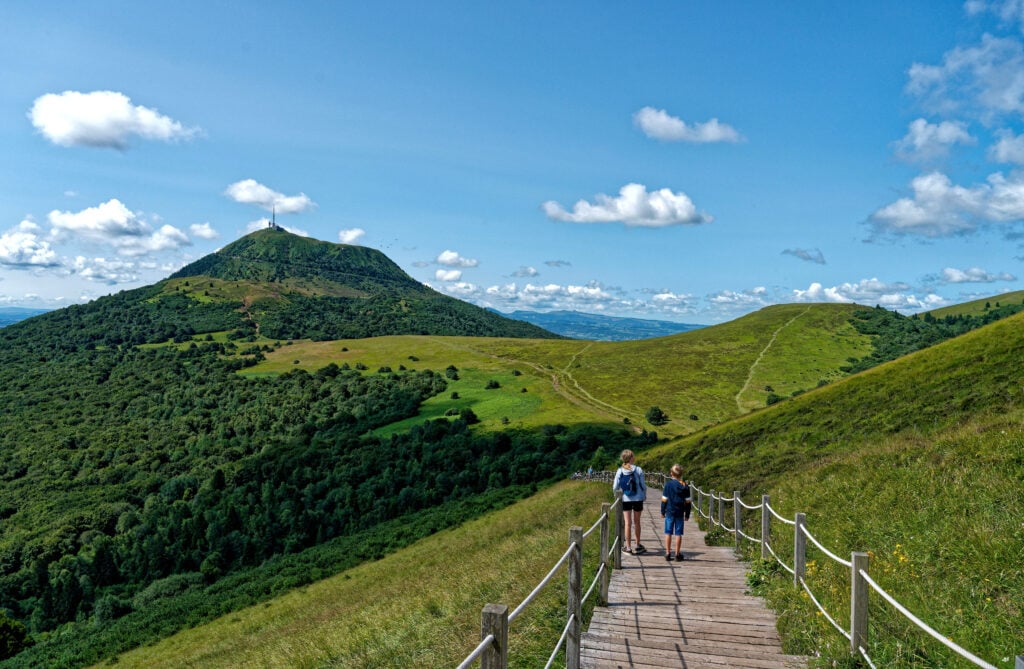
[
  {"x": 714, "y": 373},
  {"x": 920, "y": 461},
  {"x": 977, "y": 307},
  {"x": 418, "y": 607}
]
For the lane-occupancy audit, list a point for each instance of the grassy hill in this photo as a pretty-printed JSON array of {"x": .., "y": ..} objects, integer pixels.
[
  {"x": 919, "y": 461},
  {"x": 977, "y": 307},
  {"x": 713, "y": 373}
]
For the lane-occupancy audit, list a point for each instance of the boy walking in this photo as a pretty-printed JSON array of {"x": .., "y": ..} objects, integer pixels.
[{"x": 675, "y": 503}]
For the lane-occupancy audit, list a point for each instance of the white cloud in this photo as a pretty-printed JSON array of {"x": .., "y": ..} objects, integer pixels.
[
  {"x": 1008, "y": 11},
  {"x": 525, "y": 272},
  {"x": 22, "y": 248},
  {"x": 810, "y": 255},
  {"x": 752, "y": 298},
  {"x": 261, "y": 223},
  {"x": 104, "y": 119},
  {"x": 113, "y": 223},
  {"x": 453, "y": 259},
  {"x": 461, "y": 289},
  {"x": 938, "y": 208},
  {"x": 558, "y": 263},
  {"x": 985, "y": 81},
  {"x": 926, "y": 141},
  {"x": 658, "y": 124},
  {"x": 1009, "y": 148},
  {"x": 871, "y": 292},
  {"x": 448, "y": 274},
  {"x": 351, "y": 236},
  {"x": 249, "y": 191},
  {"x": 105, "y": 271},
  {"x": 974, "y": 275},
  {"x": 635, "y": 207},
  {"x": 203, "y": 231}
]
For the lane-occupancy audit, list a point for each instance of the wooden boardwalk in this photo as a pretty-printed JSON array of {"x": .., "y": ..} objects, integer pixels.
[{"x": 691, "y": 614}]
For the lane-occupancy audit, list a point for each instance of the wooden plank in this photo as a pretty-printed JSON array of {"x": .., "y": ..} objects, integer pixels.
[{"x": 693, "y": 614}]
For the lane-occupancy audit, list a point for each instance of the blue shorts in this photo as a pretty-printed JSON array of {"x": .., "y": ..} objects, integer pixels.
[{"x": 674, "y": 525}]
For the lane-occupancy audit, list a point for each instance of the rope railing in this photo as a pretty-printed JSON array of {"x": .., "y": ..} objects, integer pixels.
[
  {"x": 493, "y": 648},
  {"x": 959, "y": 650},
  {"x": 547, "y": 579},
  {"x": 858, "y": 565}
]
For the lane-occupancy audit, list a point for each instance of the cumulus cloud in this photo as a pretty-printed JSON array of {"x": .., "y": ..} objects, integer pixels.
[
  {"x": 103, "y": 119},
  {"x": 659, "y": 124},
  {"x": 261, "y": 223},
  {"x": 974, "y": 275},
  {"x": 869, "y": 292},
  {"x": 250, "y": 191},
  {"x": 985, "y": 81},
  {"x": 730, "y": 300},
  {"x": 113, "y": 223},
  {"x": 351, "y": 236},
  {"x": 101, "y": 270},
  {"x": 203, "y": 231},
  {"x": 940, "y": 208},
  {"x": 525, "y": 272},
  {"x": 448, "y": 274},
  {"x": 814, "y": 256},
  {"x": 453, "y": 259},
  {"x": 23, "y": 248},
  {"x": 635, "y": 207},
  {"x": 925, "y": 142},
  {"x": 1009, "y": 148}
]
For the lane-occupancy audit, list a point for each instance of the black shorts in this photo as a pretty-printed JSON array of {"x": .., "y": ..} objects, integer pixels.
[{"x": 632, "y": 506}]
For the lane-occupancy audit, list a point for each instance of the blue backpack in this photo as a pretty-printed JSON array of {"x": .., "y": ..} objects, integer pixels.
[{"x": 628, "y": 482}]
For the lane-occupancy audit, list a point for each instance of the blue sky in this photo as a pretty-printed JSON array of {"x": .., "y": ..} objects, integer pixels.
[{"x": 687, "y": 161}]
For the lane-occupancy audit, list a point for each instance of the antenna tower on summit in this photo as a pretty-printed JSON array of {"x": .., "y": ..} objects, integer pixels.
[{"x": 273, "y": 219}]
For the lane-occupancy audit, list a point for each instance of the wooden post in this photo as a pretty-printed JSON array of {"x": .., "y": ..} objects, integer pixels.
[
  {"x": 602, "y": 589},
  {"x": 766, "y": 527},
  {"x": 799, "y": 550},
  {"x": 699, "y": 496},
  {"x": 620, "y": 529},
  {"x": 858, "y": 603},
  {"x": 737, "y": 517},
  {"x": 574, "y": 604},
  {"x": 721, "y": 510},
  {"x": 495, "y": 621}
]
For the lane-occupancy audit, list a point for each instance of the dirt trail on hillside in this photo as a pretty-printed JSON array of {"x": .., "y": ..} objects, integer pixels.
[{"x": 750, "y": 374}]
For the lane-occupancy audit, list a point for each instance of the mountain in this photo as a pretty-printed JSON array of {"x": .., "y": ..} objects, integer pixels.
[
  {"x": 597, "y": 327},
  {"x": 10, "y": 315},
  {"x": 281, "y": 286}
]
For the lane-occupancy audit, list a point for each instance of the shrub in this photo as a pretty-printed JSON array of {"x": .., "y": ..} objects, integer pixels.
[{"x": 492, "y": 384}]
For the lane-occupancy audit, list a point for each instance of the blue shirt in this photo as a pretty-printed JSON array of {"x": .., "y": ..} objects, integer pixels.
[{"x": 673, "y": 499}]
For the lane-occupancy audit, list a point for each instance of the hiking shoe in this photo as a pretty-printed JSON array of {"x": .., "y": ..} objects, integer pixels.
[
  {"x": 639, "y": 549},
  {"x": 679, "y": 557},
  {"x": 668, "y": 557}
]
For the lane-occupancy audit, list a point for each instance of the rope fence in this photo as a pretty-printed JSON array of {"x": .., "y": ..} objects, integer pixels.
[
  {"x": 860, "y": 581},
  {"x": 493, "y": 651}
]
